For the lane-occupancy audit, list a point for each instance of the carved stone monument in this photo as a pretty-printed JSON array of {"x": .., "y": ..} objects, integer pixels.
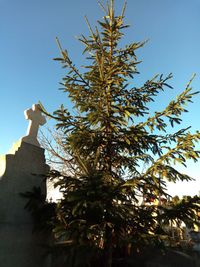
[
  {"x": 21, "y": 170},
  {"x": 36, "y": 119}
]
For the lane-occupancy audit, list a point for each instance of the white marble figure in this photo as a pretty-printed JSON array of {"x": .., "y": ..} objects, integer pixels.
[{"x": 34, "y": 115}]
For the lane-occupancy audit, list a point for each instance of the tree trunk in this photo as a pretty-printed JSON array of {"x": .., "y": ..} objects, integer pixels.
[{"x": 108, "y": 248}]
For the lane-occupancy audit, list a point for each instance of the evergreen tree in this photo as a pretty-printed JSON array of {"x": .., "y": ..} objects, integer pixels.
[{"x": 107, "y": 209}]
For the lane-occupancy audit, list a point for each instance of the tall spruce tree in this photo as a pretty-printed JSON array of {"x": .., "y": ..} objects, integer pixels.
[{"x": 107, "y": 209}]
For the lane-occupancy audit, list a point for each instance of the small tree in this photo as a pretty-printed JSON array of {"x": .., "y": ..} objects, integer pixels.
[{"x": 109, "y": 139}]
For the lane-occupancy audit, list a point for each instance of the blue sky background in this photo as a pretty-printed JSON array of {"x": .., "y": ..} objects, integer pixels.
[{"x": 27, "y": 47}]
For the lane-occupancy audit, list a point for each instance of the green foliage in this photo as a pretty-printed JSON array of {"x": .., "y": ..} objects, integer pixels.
[
  {"x": 109, "y": 139},
  {"x": 187, "y": 209},
  {"x": 42, "y": 212}
]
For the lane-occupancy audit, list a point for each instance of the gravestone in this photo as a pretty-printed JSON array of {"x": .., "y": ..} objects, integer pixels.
[{"x": 21, "y": 170}]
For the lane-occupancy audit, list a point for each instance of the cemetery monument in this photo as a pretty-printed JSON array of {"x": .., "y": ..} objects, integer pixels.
[{"x": 22, "y": 169}]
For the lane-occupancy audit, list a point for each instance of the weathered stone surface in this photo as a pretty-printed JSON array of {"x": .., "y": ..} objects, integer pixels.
[
  {"x": 19, "y": 173},
  {"x": 35, "y": 117}
]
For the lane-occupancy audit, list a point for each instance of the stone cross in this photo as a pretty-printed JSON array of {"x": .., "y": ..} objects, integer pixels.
[{"x": 34, "y": 115}]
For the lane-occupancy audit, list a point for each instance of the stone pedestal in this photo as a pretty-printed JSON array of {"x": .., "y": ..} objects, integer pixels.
[{"x": 19, "y": 173}]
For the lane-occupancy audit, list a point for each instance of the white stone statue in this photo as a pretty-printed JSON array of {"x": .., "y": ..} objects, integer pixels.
[{"x": 34, "y": 115}]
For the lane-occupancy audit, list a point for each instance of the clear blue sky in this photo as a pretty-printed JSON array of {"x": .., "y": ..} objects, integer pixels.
[{"x": 27, "y": 47}]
